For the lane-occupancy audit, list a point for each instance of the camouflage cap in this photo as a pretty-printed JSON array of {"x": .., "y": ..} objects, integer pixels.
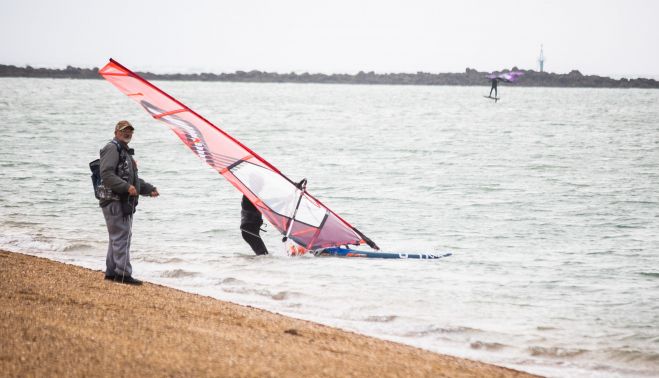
[{"x": 123, "y": 125}]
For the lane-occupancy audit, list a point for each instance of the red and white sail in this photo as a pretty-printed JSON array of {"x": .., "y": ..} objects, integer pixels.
[{"x": 275, "y": 195}]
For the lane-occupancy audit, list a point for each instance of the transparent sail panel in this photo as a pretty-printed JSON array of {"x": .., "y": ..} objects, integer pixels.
[{"x": 278, "y": 194}]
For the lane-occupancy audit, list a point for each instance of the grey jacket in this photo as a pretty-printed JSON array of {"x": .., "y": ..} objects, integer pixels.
[{"x": 110, "y": 158}]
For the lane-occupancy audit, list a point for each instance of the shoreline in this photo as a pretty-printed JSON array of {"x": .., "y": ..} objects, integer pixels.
[
  {"x": 470, "y": 77},
  {"x": 59, "y": 319}
]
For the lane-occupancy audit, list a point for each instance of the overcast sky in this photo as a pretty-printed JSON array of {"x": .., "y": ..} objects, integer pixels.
[{"x": 604, "y": 37}]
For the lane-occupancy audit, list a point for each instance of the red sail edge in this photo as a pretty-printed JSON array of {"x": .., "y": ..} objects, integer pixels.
[{"x": 274, "y": 194}]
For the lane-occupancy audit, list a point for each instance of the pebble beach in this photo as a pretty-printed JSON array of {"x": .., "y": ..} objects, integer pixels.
[{"x": 64, "y": 320}]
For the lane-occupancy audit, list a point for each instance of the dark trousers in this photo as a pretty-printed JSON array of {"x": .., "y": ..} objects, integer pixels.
[{"x": 250, "y": 233}]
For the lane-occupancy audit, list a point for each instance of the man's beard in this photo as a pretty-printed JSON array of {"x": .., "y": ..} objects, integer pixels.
[{"x": 126, "y": 140}]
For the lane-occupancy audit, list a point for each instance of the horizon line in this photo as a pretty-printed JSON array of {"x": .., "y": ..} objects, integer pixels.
[{"x": 298, "y": 72}]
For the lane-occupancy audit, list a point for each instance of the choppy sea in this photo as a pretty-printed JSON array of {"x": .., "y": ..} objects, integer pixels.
[{"x": 548, "y": 200}]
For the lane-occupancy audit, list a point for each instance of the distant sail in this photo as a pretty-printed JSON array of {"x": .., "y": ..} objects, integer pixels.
[
  {"x": 507, "y": 76},
  {"x": 275, "y": 195}
]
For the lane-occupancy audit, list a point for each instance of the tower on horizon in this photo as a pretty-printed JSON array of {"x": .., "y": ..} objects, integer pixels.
[{"x": 541, "y": 60}]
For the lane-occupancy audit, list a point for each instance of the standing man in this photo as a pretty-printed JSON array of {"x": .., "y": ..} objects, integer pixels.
[{"x": 118, "y": 194}]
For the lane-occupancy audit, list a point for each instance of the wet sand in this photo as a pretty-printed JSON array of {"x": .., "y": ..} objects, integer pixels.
[{"x": 63, "y": 320}]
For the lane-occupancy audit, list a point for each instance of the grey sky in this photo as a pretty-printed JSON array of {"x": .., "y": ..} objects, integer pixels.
[{"x": 596, "y": 37}]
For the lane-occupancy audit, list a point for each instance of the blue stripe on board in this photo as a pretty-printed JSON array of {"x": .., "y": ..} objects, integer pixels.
[{"x": 347, "y": 252}]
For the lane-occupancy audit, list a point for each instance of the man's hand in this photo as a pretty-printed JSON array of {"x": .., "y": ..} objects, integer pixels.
[
  {"x": 154, "y": 193},
  {"x": 132, "y": 191}
]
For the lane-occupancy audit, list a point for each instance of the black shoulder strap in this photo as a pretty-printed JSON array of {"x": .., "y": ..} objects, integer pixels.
[
  {"x": 118, "y": 145},
  {"x": 122, "y": 154},
  {"x": 121, "y": 150}
]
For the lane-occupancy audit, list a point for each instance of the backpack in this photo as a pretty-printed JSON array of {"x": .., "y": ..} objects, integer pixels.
[{"x": 100, "y": 192}]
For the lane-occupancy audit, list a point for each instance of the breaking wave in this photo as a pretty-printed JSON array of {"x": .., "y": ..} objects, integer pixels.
[
  {"x": 486, "y": 345},
  {"x": 76, "y": 247},
  {"x": 554, "y": 351},
  {"x": 381, "y": 318},
  {"x": 178, "y": 273},
  {"x": 441, "y": 330}
]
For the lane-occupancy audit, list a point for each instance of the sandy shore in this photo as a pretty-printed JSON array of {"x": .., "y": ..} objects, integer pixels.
[{"x": 63, "y": 320}]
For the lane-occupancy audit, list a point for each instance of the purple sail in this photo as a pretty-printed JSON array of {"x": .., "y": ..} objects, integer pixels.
[
  {"x": 508, "y": 76},
  {"x": 511, "y": 76}
]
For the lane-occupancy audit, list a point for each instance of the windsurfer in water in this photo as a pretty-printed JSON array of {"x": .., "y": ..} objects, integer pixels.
[
  {"x": 251, "y": 219},
  {"x": 250, "y": 225}
]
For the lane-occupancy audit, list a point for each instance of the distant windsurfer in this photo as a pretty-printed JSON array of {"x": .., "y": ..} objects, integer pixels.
[
  {"x": 250, "y": 225},
  {"x": 495, "y": 82},
  {"x": 508, "y": 77}
]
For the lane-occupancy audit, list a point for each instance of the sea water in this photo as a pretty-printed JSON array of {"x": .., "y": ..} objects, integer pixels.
[{"x": 548, "y": 200}]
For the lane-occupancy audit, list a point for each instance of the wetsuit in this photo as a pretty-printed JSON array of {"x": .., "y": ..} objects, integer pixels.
[
  {"x": 250, "y": 225},
  {"x": 495, "y": 82}
]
